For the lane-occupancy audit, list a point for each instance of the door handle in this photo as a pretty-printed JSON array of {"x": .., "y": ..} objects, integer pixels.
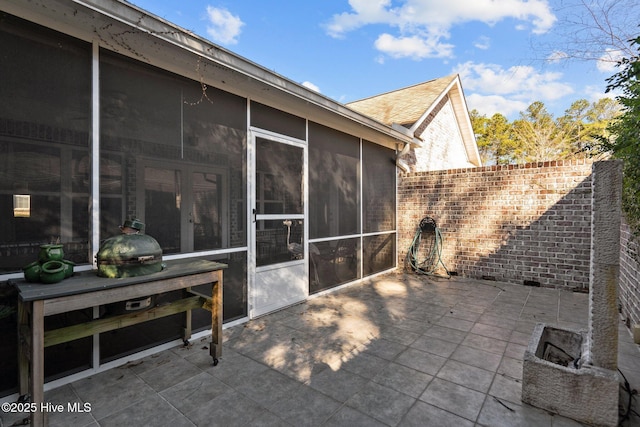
[{"x": 255, "y": 215}]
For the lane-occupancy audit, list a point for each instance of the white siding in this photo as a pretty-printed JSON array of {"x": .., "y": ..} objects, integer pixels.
[{"x": 443, "y": 147}]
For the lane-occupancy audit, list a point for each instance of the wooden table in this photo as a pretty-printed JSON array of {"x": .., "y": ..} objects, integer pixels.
[{"x": 85, "y": 290}]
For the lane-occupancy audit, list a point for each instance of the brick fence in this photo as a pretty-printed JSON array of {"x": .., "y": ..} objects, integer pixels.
[
  {"x": 629, "y": 285},
  {"x": 512, "y": 223},
  {"x": 516, "y": 223}
]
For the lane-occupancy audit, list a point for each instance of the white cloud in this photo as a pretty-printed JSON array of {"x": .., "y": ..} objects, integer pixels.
[
  {"x": 422, "y": 25},
  {"x": 595, "y": 93},
  {"x": 311, "y": 86},
  {"x": 488, "y": 105},
  {"x": 223, "y": 26},
  {"x": 482, "y": 42},
  {"x": 607, "y": 62},
  {"x": 366, "y": 12},
  {"x": 414, "y": 47},
  {"x": 519, "y": 79},
  {"x": 557, "y": 56},
  {"x": 492, "y": 86}
]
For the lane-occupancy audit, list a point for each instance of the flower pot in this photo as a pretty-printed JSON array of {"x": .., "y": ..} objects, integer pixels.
[
  {"x": 32, "y": 272},
  {"x": 68, "y": 267},
  {"x": 52, "y": 272},
  {"x": 50, "y": 253}
]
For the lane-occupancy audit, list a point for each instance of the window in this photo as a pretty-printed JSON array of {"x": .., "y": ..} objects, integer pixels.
[
  {"x": 45, "y": 114},
  {"x": 379, "y": 253},
  {"x": 184, "y": 207},
  {"x": 172, "y": 157},
  {"x": 378, "y": 188},
  {"x": 277, "y": 121},
  {"x": 333, "y": 262},
  {"x": 175, "y": 157},
  {"x": 379, "y": 210},
  {"x": 334, "y": 162},
  {"x": 279, "y": 191},
  {"x": 334, "y": 209}
]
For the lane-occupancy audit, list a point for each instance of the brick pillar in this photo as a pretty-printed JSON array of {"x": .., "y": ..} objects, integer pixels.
[{"x": 605, "y": 264}]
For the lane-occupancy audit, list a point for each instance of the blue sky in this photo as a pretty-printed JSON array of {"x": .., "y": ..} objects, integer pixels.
[{"x": 505, "y": 51}]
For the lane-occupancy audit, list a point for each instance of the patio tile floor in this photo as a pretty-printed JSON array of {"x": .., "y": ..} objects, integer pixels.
[{"x": 400, "y": 350}]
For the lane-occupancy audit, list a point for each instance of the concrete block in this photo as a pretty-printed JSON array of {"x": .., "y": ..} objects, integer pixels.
[
  {"x": 587, "y": 394},
  {"x": 635, "y": 329}
]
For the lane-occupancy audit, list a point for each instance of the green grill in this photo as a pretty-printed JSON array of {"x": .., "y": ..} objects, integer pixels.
[{"x": 129, "y": 255}]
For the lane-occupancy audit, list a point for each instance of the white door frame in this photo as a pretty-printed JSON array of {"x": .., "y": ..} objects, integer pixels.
[{"x": 288, "y": 281}]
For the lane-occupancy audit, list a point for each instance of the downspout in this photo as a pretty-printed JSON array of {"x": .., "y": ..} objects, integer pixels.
[
  {"x": 401, "y": 163},
  {"x": 405, "y": 149}
]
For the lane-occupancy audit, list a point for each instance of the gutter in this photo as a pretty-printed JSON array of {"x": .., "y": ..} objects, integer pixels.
[{"x": 133, "y": 16}]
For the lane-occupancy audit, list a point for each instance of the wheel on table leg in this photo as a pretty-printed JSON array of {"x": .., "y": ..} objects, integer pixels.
[{"x": 215, "y": 361}]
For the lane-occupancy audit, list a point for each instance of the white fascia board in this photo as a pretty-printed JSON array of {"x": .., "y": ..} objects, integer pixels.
[
  {"x": 142, "y": 20},
  {"x": 415, "y": 141}
]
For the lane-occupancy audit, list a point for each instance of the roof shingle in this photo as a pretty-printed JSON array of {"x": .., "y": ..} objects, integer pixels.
[{"x": 403, "y": 106}]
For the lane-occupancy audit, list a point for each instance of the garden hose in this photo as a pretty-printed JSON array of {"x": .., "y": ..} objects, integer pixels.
[{"x": 425, "y": 253}]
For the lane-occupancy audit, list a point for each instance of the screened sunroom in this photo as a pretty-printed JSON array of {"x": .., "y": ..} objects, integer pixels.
[{"x": 108, "y": 113}]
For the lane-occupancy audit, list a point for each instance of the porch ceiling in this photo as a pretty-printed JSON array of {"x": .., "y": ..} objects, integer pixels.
[{"x": 126, "y": 29}]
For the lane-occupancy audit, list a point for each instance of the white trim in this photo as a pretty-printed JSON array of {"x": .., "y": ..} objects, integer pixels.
[
  {"x": 95, "y": 155},
  {"x": 233, "y": 323},
  {"x": 277, "y": 266},
  {"x": 360, "y": 178},
  {"x": 276, "y": 217},
  {"x": 199, "y": 254},
  {"x": 250, "y": 209},
  {"x": 154, "y": 26},
  {"x": 461, "y": 113},
  {"x": 334, "y": 238},
  {"x": 305, "y": 210},
  {"x": 277, "y": 137},
  {"x": 378, "y": 233},
  {"x": 395, "y": 255},
  {"x": 253, "y": 269},
  {"x": 352, "y": 283}
]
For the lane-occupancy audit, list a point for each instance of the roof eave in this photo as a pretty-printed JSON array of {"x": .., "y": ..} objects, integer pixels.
[
  {"x": 458, "y": 101},
  {"x": 127, "y": 14},
  {"x": 201, "y": 46},
  {"x": 415, "y": 141}
]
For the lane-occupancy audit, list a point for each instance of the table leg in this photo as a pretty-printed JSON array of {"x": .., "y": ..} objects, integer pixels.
[
  {"x": 186, "y": 331},
  {"x": 24, "y": 340},
  {"x": 36, "y": 383},
  {"x": 215, "y": 350}
]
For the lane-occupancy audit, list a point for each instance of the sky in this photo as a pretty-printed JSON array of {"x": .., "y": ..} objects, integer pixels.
[{"x": 508, "y": 53}]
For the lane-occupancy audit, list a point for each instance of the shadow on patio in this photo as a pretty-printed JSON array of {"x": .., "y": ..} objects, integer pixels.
[{"x": 397, "y": 350}]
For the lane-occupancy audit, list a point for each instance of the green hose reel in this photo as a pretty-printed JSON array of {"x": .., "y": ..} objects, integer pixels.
[{"x": 425, "y": 253}]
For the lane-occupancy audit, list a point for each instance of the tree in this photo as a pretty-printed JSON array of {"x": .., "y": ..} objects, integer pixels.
[
  {"x": 479, "y": 125},
  {"x": 495, "y": 138},
  {"x": 574, "y": 124},
  {"x": 540, "y": 136},
  {"x": 624, "y": 139},
  {"x": 584, "y": 123},
  {"x": 593, "y": 30}
]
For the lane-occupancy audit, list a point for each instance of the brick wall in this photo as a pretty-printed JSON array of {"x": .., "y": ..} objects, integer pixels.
[
  {"x": 513, "y": 223},
  {"x": 629, "y": 285}
]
